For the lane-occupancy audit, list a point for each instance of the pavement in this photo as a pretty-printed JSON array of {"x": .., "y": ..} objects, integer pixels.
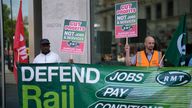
[
  {"x": 11, "y": 91},
  {"x": 12, "y": 100}
]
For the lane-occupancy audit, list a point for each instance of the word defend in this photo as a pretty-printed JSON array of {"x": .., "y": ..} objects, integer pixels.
[{"x": 65, "y": 74}]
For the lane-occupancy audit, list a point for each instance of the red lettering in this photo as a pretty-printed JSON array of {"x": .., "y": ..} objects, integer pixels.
[
  {"x": 126, "y": 6},
  {"x": 74, "y": 23}
]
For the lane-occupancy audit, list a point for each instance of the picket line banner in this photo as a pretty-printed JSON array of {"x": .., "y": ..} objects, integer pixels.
[{"x": 62, "y": 85}]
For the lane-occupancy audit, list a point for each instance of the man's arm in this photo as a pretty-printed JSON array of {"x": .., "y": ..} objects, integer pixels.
[
  {"x": 190, "y": 62},
  {"x": 161, "y": 64},
  {"x": 35, "y": 60},
  {"x": 58, "y": 58}
]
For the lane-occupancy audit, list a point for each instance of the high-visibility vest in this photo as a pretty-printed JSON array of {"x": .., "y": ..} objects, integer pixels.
[{"x": 141, "y": 59}]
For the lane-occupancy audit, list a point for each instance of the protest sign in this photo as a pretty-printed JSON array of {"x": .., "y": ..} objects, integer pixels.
[
  {"x": 126, "y": 15},
  {"x": 73, "y": 36}
]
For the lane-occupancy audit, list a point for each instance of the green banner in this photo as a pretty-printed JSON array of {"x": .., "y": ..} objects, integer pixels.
[{"x": 60, "y": 85}]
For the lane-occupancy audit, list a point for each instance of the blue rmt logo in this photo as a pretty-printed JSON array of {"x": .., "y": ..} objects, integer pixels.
[{"x": 173, "y": 78}]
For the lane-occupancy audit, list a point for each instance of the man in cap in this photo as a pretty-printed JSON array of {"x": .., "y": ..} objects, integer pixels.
[{"x": 46, "y": 55}]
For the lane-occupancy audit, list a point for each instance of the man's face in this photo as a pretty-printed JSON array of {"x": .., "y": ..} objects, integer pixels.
[
  {"x": 149, "y": 43},
  {"x": 45, "y": 48}
]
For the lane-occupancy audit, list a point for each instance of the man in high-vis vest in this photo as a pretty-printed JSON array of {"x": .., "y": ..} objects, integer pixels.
[{"x": 146, "y": 57}]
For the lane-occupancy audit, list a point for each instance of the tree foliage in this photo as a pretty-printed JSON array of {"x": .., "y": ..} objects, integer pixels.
[{"x": 9, "y": 25}]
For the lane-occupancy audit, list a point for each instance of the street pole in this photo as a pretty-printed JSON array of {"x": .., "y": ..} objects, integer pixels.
[{"x": 2, "y": 55}]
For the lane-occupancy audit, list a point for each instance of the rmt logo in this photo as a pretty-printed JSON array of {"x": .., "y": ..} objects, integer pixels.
[{"x": 173, "y": 78}]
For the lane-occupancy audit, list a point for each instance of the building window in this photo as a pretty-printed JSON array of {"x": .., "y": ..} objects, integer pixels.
[
  {"x": 158, "y": 11},
  {"x": 148, "y": 13},
  {"x": 113, "y": 22},
  {"x": 170, "y": 8}
]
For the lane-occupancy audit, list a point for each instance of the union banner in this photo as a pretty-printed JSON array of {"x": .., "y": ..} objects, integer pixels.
[{"x": 62, "y": 85}]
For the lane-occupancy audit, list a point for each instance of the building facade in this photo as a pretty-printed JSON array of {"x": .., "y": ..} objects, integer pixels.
[{"x": 156, "y": 17}]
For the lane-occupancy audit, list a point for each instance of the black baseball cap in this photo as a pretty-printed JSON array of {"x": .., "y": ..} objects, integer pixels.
[{"x": 44, "y": 41}]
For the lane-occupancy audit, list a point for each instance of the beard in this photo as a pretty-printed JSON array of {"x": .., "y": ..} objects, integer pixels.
[
  {"x": 46, "y": 52},
  {"x": 150, "y": 47}
]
